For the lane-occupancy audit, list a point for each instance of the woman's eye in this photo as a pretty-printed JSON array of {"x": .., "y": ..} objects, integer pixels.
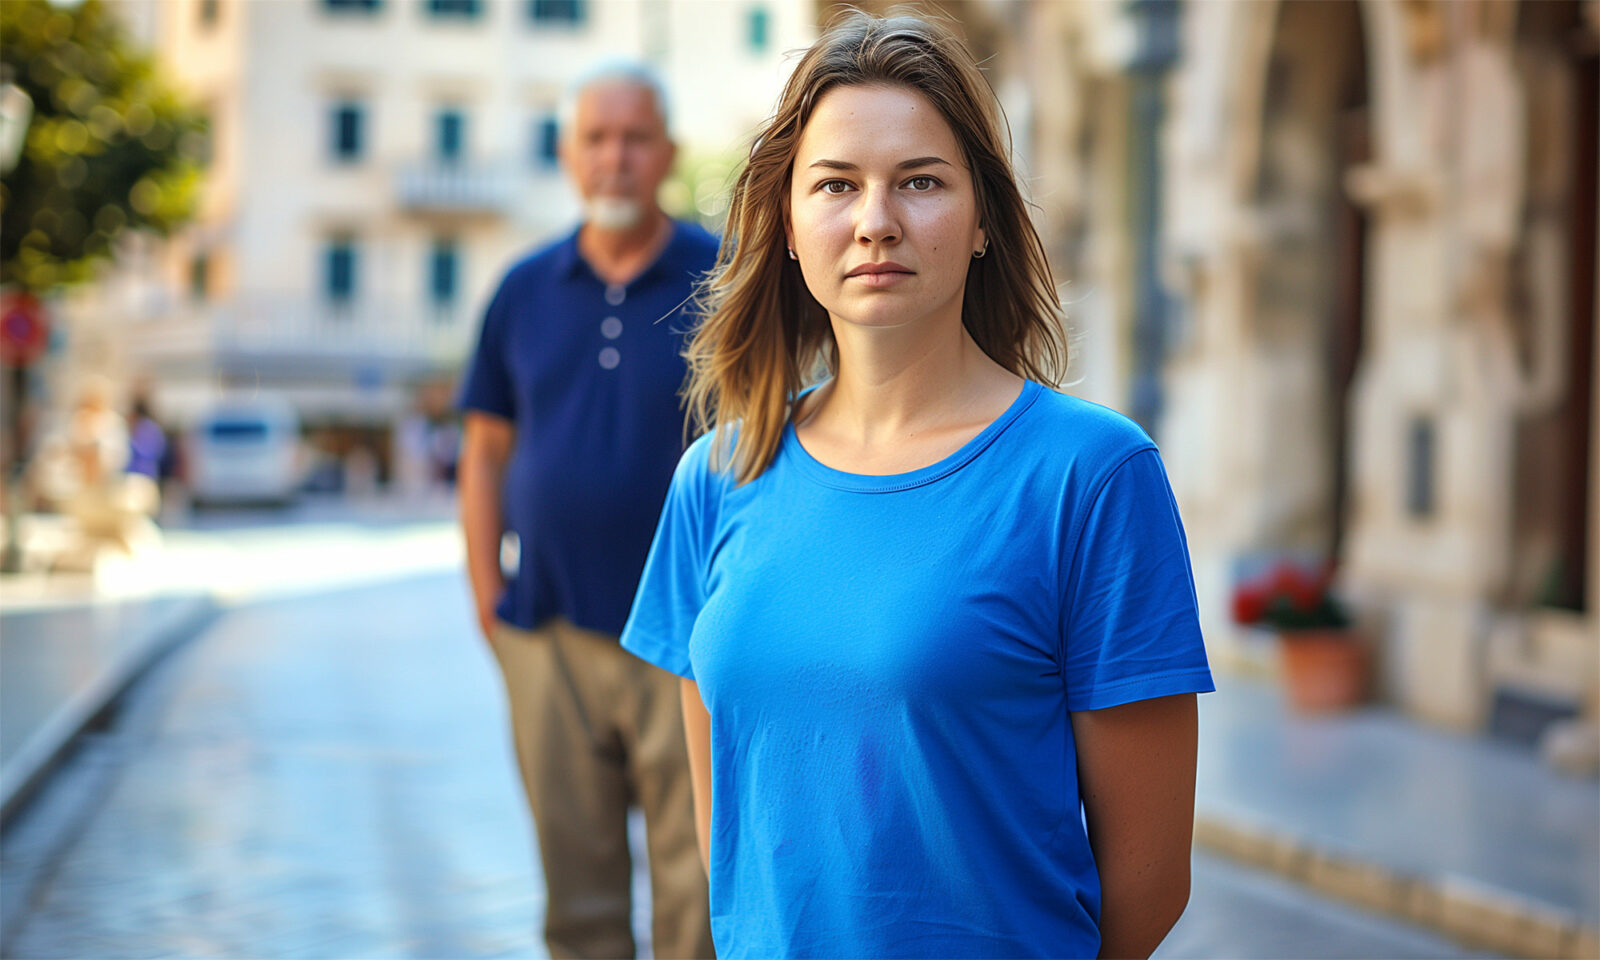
[
  {"x": 922, "y": 183},
  {"x": 833, "y": 186}
]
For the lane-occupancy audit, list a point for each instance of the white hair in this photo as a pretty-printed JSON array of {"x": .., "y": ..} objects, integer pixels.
[{"x": 627, "y": 72}]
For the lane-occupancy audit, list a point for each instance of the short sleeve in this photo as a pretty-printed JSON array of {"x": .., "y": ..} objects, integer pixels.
[
  {"x": 487, "y": 387},
  {"x": 1131, "y": 626},
  {"x": 673, "y": 587}
]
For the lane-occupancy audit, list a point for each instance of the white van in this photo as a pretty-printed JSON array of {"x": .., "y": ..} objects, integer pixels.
[{"x": 245, "y": 451}]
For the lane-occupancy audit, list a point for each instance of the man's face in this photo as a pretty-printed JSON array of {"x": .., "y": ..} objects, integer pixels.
[{"x": 617, "y": 153}]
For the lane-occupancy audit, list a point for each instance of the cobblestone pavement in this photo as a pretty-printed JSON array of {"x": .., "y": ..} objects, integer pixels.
[
  {"x": 330, "y": 776},
  {"x": 1243, "y": 914}
]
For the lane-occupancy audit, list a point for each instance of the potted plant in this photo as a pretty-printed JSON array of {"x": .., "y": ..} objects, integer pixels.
[{"x": 1326, "y": 664}]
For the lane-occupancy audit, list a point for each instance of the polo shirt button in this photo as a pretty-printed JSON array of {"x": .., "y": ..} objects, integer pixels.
[
  {"x": 609, "y": 358},
  {"x": 611, "y": 328},
  {"x": 616, "y": 293}
]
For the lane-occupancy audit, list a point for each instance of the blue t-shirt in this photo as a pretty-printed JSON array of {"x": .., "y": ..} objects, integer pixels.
[
  {"x": 589, "y": 375},
  {"x": 889, "y": 663}
]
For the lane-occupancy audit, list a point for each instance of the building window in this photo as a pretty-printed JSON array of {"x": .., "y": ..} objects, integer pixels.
[
  {"x": 200, "y": 145},
  {"x": 450, "y": 134},
  {"x": 339, "y": 275},
  {"x": 547, "y": 142},
  {"x": 200, "y": 278},
  {"x": 758, "y": 32},
  {"x": 352, "y": 6},
  {"x": 348, "y": 121},
  {"x": 1420, "y": 464},
  {"x": 210, "y": 13},
  {"x": 552, "y": 13},
  {"x": 455, "y": 9},
  {"x": 444, "y": 272}
]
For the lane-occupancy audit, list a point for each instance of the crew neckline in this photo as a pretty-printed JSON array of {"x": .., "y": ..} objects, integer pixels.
[{"x": 892, "y": 482}]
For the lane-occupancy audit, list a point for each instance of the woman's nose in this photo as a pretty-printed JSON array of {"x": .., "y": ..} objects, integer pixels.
[{"x": 877, "y": 221}]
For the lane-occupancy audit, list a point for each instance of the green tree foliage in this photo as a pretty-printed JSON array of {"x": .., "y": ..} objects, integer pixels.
[
  {"x": 111, "y": 147},
  {"x": 701, "y": 185}
]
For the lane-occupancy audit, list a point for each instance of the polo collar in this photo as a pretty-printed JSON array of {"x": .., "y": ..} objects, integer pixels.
[{"x": 569, "y": 262}]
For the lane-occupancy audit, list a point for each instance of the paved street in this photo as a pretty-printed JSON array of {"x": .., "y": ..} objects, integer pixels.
[
  {"x": 328, "y": 775},
  {"x": 1245, "y": 914}
]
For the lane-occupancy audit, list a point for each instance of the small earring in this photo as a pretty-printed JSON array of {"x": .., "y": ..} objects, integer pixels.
[
  {"x": 978, "y": 254},
  {"x": 792, "y": 255}
]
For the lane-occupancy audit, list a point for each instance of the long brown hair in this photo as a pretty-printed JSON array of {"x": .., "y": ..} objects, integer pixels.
[{"x": 764, "y": 334}]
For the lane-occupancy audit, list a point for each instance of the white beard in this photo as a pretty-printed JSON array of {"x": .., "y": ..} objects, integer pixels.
[{"x": 613, "y": 213}]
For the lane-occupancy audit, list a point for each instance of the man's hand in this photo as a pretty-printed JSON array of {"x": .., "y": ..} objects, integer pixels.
[
  {"x": 486, "y": 616},
  {"x": 485, "y": 448}
]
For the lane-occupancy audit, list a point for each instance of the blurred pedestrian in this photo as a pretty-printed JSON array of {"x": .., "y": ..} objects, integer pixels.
[
  {"x": 97, "y": 435},
  {"x": 572, "y": 430},
  {"x": 110, "y": 503},
  {"x": 147, "y": 441},
  {"x": 444, "y": 451},
  {"x": 926, "y": 608},
  {"x": 150, "y": 457}
]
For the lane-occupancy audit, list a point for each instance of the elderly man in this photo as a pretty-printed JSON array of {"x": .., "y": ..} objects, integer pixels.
[{"x": 572, "y": 431}]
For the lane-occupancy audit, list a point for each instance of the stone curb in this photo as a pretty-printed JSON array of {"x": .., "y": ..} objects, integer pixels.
[
  {"x": 23, "y": 773},
  {"x": 1474, "y": 915}
]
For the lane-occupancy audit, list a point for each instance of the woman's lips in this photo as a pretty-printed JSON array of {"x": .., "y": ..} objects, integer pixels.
[
  {"x": 880, "y": 274},
  {"x": 886, "y": 279}
]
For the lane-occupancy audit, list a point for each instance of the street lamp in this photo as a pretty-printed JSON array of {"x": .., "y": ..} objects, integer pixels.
[{"x": 16, "y": 109}]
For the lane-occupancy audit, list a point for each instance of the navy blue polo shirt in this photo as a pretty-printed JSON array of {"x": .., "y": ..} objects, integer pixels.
[{"x": 588, "y": 373}]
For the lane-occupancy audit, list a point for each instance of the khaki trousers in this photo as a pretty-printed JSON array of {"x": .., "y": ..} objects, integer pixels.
[{"x": 596, "y": 729}]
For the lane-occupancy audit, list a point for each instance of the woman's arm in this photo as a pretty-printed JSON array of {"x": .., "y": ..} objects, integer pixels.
[
  {"x": 697, "y": 727},
  {"x": 1136, "y": 774}
]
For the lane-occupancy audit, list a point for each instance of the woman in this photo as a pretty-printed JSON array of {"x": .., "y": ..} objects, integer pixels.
[{"x": 926, "y": 609}]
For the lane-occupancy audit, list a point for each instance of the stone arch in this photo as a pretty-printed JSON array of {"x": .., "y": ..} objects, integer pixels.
[
  {"x": 1548, "y": 300},
  {"x": 1303, "y": 101},
  {"x": 1387, "y": 44}
]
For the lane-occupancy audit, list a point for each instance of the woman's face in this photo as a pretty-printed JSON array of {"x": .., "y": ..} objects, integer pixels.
[{"x": 881, "y": 208}]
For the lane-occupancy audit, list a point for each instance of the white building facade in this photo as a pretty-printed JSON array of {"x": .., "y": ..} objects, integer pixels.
[{"x": 376, "y": 165}]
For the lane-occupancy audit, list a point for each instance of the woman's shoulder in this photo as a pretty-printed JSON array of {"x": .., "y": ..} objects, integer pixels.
[
  {"x": 696, "y": 459},
  {"x": 1084, "y": 428},
  {"x": 706, "y": 461}
]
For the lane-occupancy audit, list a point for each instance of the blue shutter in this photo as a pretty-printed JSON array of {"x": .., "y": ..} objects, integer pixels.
[
  {"x": 443, "y": 272},
  {"x": 451, "y": 135},
  {"x": 759, "y": 23},
  {"x": 547, "y": 142},
  {"x": 458, "y": 9},
  {"x": 558, "y": 12},
  {"x": 347, "y": 132},
  {"x": 340, "y": 278}
]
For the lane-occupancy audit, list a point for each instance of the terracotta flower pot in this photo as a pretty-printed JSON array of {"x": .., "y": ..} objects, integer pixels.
[{"x": 1325, "y": 669}]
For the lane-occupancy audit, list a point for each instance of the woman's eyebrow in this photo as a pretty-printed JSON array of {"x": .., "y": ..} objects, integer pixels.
[{"x": 902, "y": 165}]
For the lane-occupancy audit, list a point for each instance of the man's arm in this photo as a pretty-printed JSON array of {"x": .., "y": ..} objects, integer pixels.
[
  {"x": 485, "y": 449},
  {"x": 697, "y": 727},
  {"x": 1136, "y": 767}
]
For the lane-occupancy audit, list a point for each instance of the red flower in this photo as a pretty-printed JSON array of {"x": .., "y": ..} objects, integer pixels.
[
  {"x": 1249, "y": 603},
  {"x": 1289, "y": 596}
]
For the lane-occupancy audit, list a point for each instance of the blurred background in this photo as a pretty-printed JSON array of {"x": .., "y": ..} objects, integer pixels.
[{"x": 1337, "y": 256}]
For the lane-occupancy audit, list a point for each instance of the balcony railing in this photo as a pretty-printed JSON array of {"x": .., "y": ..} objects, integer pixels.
[
  {"x": 438, "y": 187},
  {"x": 310, "y": 334}
]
